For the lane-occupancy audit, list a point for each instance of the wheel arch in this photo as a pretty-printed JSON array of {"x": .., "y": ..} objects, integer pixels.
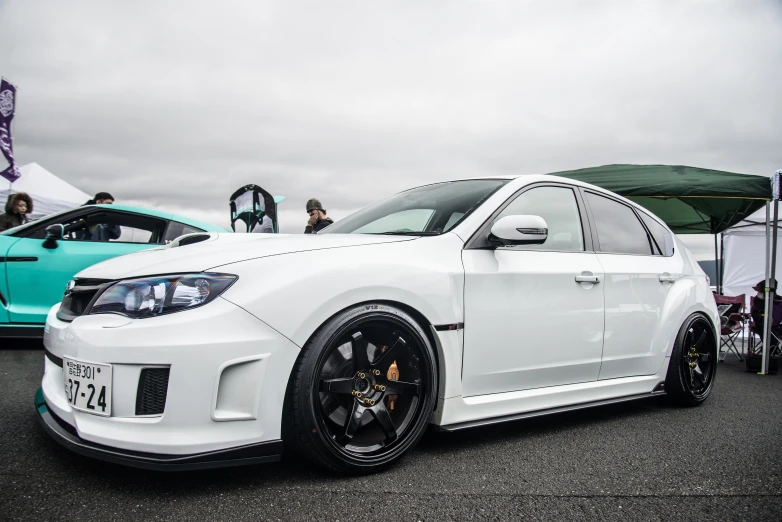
[
  {"x": 421, "y": 320},
  {"x": 685, "y": 299}
]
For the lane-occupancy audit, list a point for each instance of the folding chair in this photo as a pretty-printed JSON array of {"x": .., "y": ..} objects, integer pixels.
[{"x": 732, "y": 322}]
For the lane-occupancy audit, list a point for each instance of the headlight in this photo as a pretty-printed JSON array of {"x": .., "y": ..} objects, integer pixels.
[{"x": 153, "y": 296}]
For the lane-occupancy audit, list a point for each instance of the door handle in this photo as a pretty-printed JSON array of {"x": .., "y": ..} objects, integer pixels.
[
  {"x": 667, "y": 278},
  {"x": 587, "y": 279}
]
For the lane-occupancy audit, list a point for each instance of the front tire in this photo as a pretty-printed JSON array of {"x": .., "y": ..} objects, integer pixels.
[
  {"x": 362, "y": 390},
  {"x": 693, "y": 363}
]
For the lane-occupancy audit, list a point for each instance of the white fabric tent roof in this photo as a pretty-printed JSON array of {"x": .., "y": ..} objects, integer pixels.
[
  {"x": 50, "y": 194},
  {"x": 744, "y": 255}
]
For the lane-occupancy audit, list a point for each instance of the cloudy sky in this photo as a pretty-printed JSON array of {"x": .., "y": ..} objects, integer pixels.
[{"x": 176, "y": 104}]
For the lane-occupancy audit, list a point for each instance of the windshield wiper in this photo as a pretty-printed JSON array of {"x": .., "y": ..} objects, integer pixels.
[{"x": 403, "y": 233}]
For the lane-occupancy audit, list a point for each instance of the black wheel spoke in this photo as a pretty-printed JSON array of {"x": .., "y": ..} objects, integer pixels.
[
  {"x": 381, "y": 415},
  {"x": 698, "y": 376},
  {"x": 359, "y": 349},
  {"x": 704, "y": 357},
  {"x": 700, "y": 340},
  {"x": 353, "y": 422},
  {"x": 403, "y": 388},
  {"x": 387, "y": 357},
  {"x": 344, "y": 385}
]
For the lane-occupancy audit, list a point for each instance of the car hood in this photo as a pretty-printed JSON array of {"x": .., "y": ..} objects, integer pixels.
[{"x": 222, "y": 249}]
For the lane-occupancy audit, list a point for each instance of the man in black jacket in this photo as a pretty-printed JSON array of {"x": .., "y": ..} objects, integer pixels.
[
  {"x": 100, "y": 232},
  {"x": 318, "y": 220}
]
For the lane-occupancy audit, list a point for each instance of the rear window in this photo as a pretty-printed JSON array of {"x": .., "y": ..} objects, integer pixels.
[{"x": 618, "y": 228}]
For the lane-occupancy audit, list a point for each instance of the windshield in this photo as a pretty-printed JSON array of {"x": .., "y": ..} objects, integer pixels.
[{"x": 428, "y": 210}]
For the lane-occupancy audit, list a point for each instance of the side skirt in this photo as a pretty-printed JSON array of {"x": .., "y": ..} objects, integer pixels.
[
  {"x": 550, "y": 411},
  {"x": 20, "y": 331}
]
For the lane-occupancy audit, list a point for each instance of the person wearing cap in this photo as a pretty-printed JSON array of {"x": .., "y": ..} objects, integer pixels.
[
  {"x": 758, "y": 308},
  {"x": 318, "y": 220}
]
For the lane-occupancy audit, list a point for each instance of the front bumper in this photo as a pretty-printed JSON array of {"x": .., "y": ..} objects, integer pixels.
[
  {"x": 59, "y": 430},
  {"x": 228, "y": 373}
]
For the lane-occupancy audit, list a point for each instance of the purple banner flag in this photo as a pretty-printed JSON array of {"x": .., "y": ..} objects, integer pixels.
[{"x": 7, "y": 107}]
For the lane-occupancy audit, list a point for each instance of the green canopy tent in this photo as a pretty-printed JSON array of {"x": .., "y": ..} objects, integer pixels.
[
  {"x": 693, "y": 200},
  {"x": 689, "y": 199}
]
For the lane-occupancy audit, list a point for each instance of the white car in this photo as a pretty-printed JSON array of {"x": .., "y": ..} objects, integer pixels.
[{"x": 456, "y": 304}]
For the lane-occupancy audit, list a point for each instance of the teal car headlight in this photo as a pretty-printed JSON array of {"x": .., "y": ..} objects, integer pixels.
[{"x": 153, "y": 296}]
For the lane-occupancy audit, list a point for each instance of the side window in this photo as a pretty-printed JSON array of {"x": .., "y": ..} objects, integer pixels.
[
  {"x": 119, "y": 227},
  {"x": 176, "y": 229},
  {"x": 618, "y": 229},
  {"x": 662, "y": 237},
  {"x": 557, "y": 205}
]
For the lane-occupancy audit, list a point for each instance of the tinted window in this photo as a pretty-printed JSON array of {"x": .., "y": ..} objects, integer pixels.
[
  {"x": 618, "y": 228},
  {"x": 557, "y": 205},
  {"x": 423, "y": 210},
  {"x": 661, "y": 235}
]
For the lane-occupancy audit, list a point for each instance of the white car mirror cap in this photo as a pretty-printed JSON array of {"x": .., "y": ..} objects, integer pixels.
[{"x": 521, "y": 230}]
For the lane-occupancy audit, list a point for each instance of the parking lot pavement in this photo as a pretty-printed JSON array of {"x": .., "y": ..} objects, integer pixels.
[{"x": 635, "y": 461}]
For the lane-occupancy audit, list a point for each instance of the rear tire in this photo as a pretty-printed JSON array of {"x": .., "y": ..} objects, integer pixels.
[
  {"x": 362, "y": 390},
  {"x": 693, "y": 363}
]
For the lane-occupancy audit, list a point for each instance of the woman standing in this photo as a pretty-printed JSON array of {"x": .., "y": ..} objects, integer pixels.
[{"x": 17, "y": 208}]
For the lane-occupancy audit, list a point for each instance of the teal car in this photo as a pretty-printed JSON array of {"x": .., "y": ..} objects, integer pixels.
[{"x": 39, "y": 258}]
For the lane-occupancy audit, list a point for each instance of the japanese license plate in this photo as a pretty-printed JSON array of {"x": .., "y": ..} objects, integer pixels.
[{"x": 87, "y": 386}]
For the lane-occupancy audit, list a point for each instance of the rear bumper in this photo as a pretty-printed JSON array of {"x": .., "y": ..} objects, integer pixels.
[{"x": 63, "y": 433}]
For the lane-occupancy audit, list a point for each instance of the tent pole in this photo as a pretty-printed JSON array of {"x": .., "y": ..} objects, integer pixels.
[
  {"x": 716, "y": 265},
  {"x": 773, "y": 269},
  {"x": 722, "y": 263},
  {"x": 766, "y": 293}
]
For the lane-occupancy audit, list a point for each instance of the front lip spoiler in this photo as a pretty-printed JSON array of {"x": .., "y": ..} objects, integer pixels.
[{"x": 259, "y": 453}]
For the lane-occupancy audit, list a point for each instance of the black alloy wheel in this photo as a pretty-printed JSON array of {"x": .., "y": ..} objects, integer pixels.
[
  {"x": 363, "y": 389},
  {"x": 692, "y": 367}
]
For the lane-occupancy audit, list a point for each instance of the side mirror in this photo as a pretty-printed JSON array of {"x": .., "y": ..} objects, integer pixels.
[
  {"x": 520, "y": 230},
  {"x": 53, "y": 233}
]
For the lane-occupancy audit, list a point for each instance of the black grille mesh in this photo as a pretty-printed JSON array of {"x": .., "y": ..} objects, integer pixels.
[
  {"x": 75, "y": 302},
  {"x": 152, "y": 391}
]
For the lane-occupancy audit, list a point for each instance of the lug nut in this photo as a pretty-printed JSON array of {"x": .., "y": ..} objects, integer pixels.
[
  {"x": 376, "y": 372},
  {"x": 369, "y": 402},
  {"x": 356, "y": 393},
  {"x": 379, "y": 387},
  {"x": 361, "y": 375}
]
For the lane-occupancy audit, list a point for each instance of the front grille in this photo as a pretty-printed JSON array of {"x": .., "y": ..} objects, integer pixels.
[
  {"x": 152, "y": 391},
  {"x": 78, "y": 299}
]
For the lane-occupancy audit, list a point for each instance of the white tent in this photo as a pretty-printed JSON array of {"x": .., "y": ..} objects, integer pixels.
[
  {"x": 49, "y": 193},
  {"x": 744, "y": 255}
]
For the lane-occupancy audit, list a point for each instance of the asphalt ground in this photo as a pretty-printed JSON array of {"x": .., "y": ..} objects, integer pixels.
[{"x": 634, "y": 461}]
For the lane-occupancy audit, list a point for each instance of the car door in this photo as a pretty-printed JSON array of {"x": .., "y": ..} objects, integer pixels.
[
  {"x": 637, "y": 281},
  {"x": 38, "y": 276},
  {"x": 533, "y": 314}
]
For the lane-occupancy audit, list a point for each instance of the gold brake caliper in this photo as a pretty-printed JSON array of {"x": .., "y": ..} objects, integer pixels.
[{"x": 392, "y": 375}]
